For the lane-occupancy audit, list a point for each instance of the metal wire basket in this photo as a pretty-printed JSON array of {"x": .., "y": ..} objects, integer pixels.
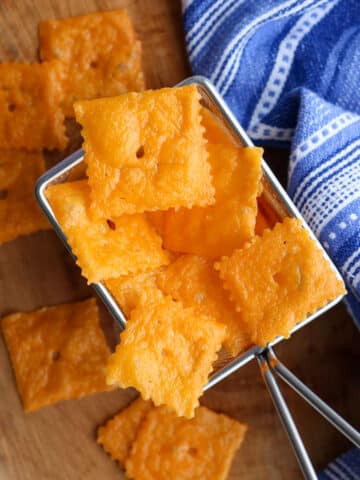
[{"x": 273, "y": 200}]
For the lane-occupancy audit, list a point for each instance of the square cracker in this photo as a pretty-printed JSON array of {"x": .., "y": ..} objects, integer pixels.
[
  {"x": 19, "y": 213},
  {"x": 193, "y": 281},
  {"x": 166, "y": 352},
  {"x": 108, "y": 247},
  {"x": 145, "y": 151},
  {"x": 30, "y": 113},
  {"x": 118, "y": 434},
  {"x": 100, "y": 54},
  {"x": 169, "y": 447},
  {"x": 278, "y": 279},
  {"x": 220, "y": 228},
  {"x": 131, "y": 291},
  {"x": 57, "y": 353}
]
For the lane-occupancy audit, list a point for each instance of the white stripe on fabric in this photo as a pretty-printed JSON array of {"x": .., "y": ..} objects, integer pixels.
[
  {"x": 284, "y": 60},
  {"x": 205, "y": 37},
  {"x": 330, "y": 474},
  {"x": 355, "y": 265},
  {"x": 230, "y": 46},
  {"x": 321, "y": 136},
  {"x": 338, "y": 471},
  {"x": 196, "y": 30},
  {"x": 268, "y": 132},
  {"x": 350, "y": 260},
  {"x": 238, "y": 54},
  {"x": 346, "y": 467},
  {"x": 307, "y": 184},
  {"x": 318, "y": 211},
  {"x": 230, "y": 68}
]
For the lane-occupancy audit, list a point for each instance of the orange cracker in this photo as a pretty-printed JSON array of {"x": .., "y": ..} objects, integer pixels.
[
  {"x": 219, "y": 229},
  {"x": 170, "y": 447},
  {"x": 118, "y": 434},
  {"x": 19, "y": 213},
  {"x": 57, "y": 353},
  {"x": 132, "y": 290},
  {"x": 278, "y": 279},
  {"x": 194, "y": 282},
  {"x": 30, "y": 113},
  {"x": 108, "y": 247},
  {"x": 145, "y": 151},
  {"x": 166, "y": 352},
  {"x": 100, "y": 53}
]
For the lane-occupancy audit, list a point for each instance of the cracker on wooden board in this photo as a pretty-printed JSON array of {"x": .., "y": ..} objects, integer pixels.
[
  {"x": 57, "y": 353},
  {"x": 30, "y": 113},
  {"x": 278, "y": 279},
  {"x": 169, "y": 447},
  {"x": 107, "y": 247},
  {"x": 118, "y": 434},
  {"x": 154, "y": 160},
  {"x": 193, "y": 281},
  {"x": 99, "y": 52},
  {"x": 166, "y": 351},
  {"x": 19, "y": 213}
]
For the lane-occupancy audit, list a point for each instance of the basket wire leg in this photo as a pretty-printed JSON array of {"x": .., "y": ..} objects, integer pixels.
[
  {"x": 286, "y": 417},
  {"x": 319, "y": 405}
]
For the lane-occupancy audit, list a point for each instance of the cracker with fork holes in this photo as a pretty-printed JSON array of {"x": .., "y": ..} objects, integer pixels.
[
  {"x": 30, "y": 114},
  {"x": 166, "y": 351},
  {"x": 107, "y": 247},
  {"x": 278, "y": 279},
  {"x": 169, "y": 447},
  {"x": 19, "y": 213},
  {"x": 99, "y": 53},
  {"x": 57, "y": 353},
  {"x": 145, "y": 151}
]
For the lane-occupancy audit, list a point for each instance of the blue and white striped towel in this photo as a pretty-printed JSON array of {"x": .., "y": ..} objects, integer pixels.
[{"x": 290, "y": 71}]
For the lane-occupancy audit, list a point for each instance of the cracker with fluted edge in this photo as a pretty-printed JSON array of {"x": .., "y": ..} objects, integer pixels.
[
  {"x": 145, "y": 151},
  {"x": 57, "y": 353},
  {"x": 30, "y": 114},
  {"x": 118, "y": 434},
  {"x": 220, "y": 228},
  {"x": 99, "y": 52},
  {"x": 19, "y": 213},
  {"x": 166, "y": 352},
  {"x": 278, "y": 279},
  {"x": 108, "y": 247},
  {"x": 193, "y": 281},
  {"x": 169, "y": 447}
]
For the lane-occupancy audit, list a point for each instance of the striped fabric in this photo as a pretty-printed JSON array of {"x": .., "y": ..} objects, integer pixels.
[
  {"x": 290, "y": 71},
  {"x": 345, "y": 467}
]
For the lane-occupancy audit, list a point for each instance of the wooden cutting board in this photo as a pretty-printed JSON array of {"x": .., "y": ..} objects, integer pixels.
[{"x": 58, "y": 442}]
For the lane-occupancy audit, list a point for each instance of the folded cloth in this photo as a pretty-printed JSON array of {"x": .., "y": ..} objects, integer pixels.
[
  {"x": 290, "y": 71},
  {"x": 345, "y": 467}
]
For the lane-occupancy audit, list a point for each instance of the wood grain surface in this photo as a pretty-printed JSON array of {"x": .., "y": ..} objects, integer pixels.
[{"x": 58, "y": 442}]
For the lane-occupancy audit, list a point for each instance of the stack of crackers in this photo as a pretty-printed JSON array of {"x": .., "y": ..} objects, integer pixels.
[{"x": 167, "y": 219}]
